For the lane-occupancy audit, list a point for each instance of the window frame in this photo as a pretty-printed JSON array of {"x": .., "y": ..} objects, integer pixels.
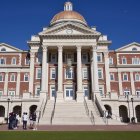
[
  {"x": 137, "y": 74},
  {"x": 37, "y": 69},
  {"x": 84, "y": 60},
  {"x": 3, "y": 61},
  {"x": 14, "y": 58},
  {"x": 85, "y": 70},
  {"x": 53, "y": 70},
  {"x": 26, "y": 74},
  {"x": 124, "y": 74},
  {"x": 1, "y": 77},
  {"x": 71, "y": 72},
  {"x": 12, "y": 75},
  {"x": 112, "y": 74},
  {"x": 100, "y": 69},
  {"x": 110, "y": 60},
  {"x": 99, "y": 55},
  {"x": 124, "y": 58},
  {"x": 11, "y": 94}
]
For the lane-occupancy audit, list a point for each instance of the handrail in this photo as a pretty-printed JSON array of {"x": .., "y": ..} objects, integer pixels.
[
  {"x": 45, "y": 105},
  {"x": 92, "y": 118},
  {"x": 52, "y": 114},
  {"x": 86, "y": 107},
  {"x": 39, "y": 115}
]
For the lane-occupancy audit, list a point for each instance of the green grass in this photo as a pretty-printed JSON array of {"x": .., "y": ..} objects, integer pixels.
[{"x": 36, "y": 135}]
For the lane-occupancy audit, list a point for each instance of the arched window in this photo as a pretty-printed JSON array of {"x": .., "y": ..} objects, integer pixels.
[
  {"x": 13, "y": 61},
  {"x": 134, "y": 49},
  {"x": 3, "y": 50}
]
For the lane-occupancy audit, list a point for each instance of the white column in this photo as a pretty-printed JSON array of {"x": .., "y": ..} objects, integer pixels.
[
  {"x": 6, "y": 84},
  {"x": 44, "y": 82},
  {"x": 31, "y": 82},
  {"x": 107, "y": 72},
  {"x": 80, "y": 93},
  {"x": 132, "y": 83},
  {"x": 95, "y": 70},
  {"x": 60, "y": 74},
  {"x": 120, "y": 83},
  {"x": 18, "y": 83}
]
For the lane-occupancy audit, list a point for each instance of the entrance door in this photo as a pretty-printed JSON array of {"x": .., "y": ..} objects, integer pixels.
[
  {"x": 86, "y": 93},
  {"x": 53, "y": 93},
  {"x": 69, "y": 93}
]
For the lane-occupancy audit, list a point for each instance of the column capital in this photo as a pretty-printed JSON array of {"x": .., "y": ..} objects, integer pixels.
[
  {"x": 44, "y": 47},
  {"x": 60, "y": 48},
  {"x": 32, "y": 54},
  {"x": 78, "y": 48}
]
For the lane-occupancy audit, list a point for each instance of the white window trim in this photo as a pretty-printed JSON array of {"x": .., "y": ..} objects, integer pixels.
[
  {"x": 51, "y": 97},
  {"x": 11, "y": 77},
  {"x": 37, "y": 72},
  {"x": 4, "y": 60},
  {"x": 11, "y": 91},
  {"x": 103, "y": 93},
  {"x": 12, "y": 61},
  {"x": 101, "y": 73},
  {"x": 86, "y": 86},
  {"x": 24, "y": 77},
  {"x": 83, "y": 73},
  {"x": 69, "y": 86},
  {"x": 125, "y": 60},
  {"x": 111, "y": 60},
  {"x": 1, "y": 92},
  {"x": 52, "y": 73},
  {"x": 126, "y": 91},
  {"x": 101, "y": 58},
  {"x": 136, "y": 76},
  {"x": 72, "y": 74},
  {"x": 26, "y": 61},
  {"x": 137, "y": 60},
  {"x": 36, "y": 90},
  {"x": 113, "y": 77},
  {"x": 138, "y": 92},
  {"x": 124, "y": 75}
]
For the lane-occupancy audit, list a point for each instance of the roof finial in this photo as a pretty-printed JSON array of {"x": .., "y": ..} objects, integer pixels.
[{"x": 68, "y": 6}]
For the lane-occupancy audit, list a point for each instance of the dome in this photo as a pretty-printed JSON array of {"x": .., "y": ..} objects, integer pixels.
[{"x": 68, "y": 15}]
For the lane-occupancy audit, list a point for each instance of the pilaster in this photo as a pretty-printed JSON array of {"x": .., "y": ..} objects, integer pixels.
[
  {"x": 6, "y": 84},
  {"x": 18, "y": 83},
  {"x": 132, "y": 83}
]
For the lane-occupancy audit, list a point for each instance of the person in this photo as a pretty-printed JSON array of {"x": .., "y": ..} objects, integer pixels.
[
  {"x": 25, "y": 119},
  {"x": 31, "y": 121},
  {"x": 34, "y": 118}
]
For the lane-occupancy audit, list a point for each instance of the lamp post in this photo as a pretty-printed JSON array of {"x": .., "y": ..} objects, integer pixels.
[
  {"x": 133, "y": 118},
  {"x": 8, "y": 100},
  {"x": 128, "y": 106}
]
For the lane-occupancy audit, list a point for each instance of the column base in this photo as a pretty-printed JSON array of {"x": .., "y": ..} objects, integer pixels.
[
  {"x": 80, "y": 96},
  {"x": 59, "y": 97}
]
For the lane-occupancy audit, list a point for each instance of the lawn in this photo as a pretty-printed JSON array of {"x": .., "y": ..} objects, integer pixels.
[{"x": 43, "y": 135}]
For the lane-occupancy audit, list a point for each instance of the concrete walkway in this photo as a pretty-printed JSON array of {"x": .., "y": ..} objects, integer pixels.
[{"x": 129, "y": 127}]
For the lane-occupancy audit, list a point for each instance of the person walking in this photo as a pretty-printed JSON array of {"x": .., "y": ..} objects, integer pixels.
[{"x": 34, "y": 119}]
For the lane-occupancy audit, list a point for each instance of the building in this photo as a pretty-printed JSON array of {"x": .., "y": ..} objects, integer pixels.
[{"x": 70, "y": 76}]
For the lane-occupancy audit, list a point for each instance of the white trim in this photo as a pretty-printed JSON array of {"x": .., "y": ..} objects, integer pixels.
[
  {"x": 71, "y": 72},
  {"x": 86, "y": 86},
  {"x": 101, "y": 57},
  {"x": 2, "y": 77},
  {"x": 124, "y": 77},
  {"x": 26, "y": 74},
  {"x": 11, "y": 91},
  {"x": 14, "y": 58},
  {"x": 52, "y": 87},
  {"x": 37, "y": 69},
  {"x": 85, "y": 70},
  {"x": 70, "y": 97},
  {"x": 137, "y": 74},
  {"x": 102, "y": 77},
  {"x": 11, "y": 76},
  {"x": 1, "y": 92},
  {"x": 110, "y": 60},
  {"x": 36, "y": 89},
  {"x": 112, "y": 77},
  {"x": 101, "y": 88},
  {"x": 53, "y": 70},
  {"x": 4, "y": 61},
  {"x": 124, "y": 58}
]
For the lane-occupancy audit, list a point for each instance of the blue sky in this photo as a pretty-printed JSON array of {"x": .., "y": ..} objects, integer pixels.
[{"x": 119, "y": 19}]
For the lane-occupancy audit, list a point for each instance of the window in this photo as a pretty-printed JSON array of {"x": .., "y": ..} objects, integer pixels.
[
  {"x": 99, "y": 57},
  {"x": 1, "y": 92},
  {"x": 38, "y": 73},
  {"x": 27, "y": 61},
  {"x": 69, "y": 91},
  {"x": 125, "y": 77},
  {"x": 138, "y": 92},
  {"x": 53, "y": 92},
  {"x": 11, "y": 93},
  {"x": 69, "y": 57},
  {"x": 84, "y": 57},
  {"x": 135, "y": 61},
  {"x": 124, "y": 61},
  {"x": 137, "y": 77},
  {"x": 39, "y": 57},
  {"x": 53, "y": 57},
  {"x": 37, "y": 91},
  {"x": 1, "y": 77},
  {"x": 111, "y": 77},
  {"x": 3, "y": 50},
  {"x": 100, "y": 74},
  {"x": 101, "y": 91},
  {"x": 86, "y": 92},
  {"x": 126, "y": 92},
  {"x": 13, "y": 61},
  {"x": 110, "y": 61},
  {"x": 85, "y": 73},
  {"x": 2, "y": 61},
  {"x": 12, "y": 78},
  {"x": 134, "y": 49},
  {"x": 53, "y": 73},
  {"x": 69, "y": 74},
  {"x": 26, "y": 77}
]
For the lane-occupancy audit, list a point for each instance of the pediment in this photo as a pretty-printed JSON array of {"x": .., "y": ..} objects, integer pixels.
[
  {"x": 69, "y": 29},
  {"x": 8, "y": 48},
  {"x": 130, "y": 47}
]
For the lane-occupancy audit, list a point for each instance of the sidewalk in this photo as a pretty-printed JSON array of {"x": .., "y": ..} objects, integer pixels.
[{"x": 130, "y": 127}]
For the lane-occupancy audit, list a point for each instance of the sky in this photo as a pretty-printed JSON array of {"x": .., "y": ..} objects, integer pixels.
[{"x": 118, "y": 19}]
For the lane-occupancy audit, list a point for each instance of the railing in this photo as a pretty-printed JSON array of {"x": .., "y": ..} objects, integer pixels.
[
  {"x": 45, "y": 105},
  {"x": 86, "y": 107},
  {"x": 92, "y": 118},
  {"x": 52, "y": 115}
]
